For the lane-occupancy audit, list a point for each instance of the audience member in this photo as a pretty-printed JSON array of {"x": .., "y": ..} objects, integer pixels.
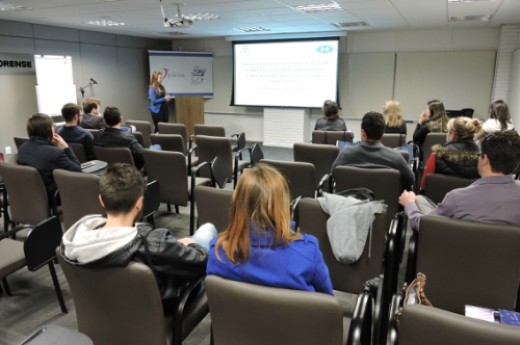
[
  {"x": 91, "y": 118},
  {"x": 46, "y": 150},
  {"x": 433, "y": 119},
  {"x": 394, "y": 122},
  {"x": 112, "y": 135},
  {"x": 494, "y": 198},
  {"x": 330, "y": 120},
  {"x": 459, "y": 156},
  {"x": 499, "y": 119},
  {"x": 371, "y": 153},
  {"x": 98, "y": 242},
  {"x": 72, "y": 133},
  {"x": 259, "y": 246}
]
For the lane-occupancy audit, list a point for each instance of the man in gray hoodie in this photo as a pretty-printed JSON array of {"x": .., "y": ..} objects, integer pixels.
[{"x": 114, "y": 241}]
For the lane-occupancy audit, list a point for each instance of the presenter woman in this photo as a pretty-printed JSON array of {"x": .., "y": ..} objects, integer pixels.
[{"x": 158, "y": 98}]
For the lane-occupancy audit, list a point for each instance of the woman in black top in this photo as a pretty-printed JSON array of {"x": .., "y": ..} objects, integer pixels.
[
  {"x": 433, "y": 119},
  {"x": 394, "y": 122},
  {"x": 330, "y": 120}
]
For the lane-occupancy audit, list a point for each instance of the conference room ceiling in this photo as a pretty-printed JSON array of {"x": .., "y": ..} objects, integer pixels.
[{"x": 143, "y": 17}]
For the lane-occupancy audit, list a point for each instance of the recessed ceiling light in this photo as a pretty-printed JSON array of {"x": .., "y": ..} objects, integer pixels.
[
  {"x": 350, "y": 24},
  {"x": 252, "y": 29},
  {"x": 11, "y": 7},
  {"x": 467, "y": 1},
  {"x": 104, "y": 22},
  {"x": 483, "y": 18},
  {"x": 173, "y": 33},
  {"x": 329, "y": 7},
  {"x": 201, "y": 16}
]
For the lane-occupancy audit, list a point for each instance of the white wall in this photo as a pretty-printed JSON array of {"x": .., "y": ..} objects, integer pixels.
[
  {"x": 514, "y": 91},
  {"x": 118, "y": 63}
]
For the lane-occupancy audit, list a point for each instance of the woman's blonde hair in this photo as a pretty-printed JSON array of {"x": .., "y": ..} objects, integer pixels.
[
  {"x": 464, "y": 128},
  {"x": 261, "y": 199},
  {"x": 392, "y": 114},
  {"x": 154, "y": 82},
  {"x": 438, "y": 116}
]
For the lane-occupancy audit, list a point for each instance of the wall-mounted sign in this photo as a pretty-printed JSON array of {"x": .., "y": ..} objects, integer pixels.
[{"x": 12, "y": 63}]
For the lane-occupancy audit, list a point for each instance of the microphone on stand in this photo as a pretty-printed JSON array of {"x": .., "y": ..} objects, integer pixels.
[{"x": 93, "y": 81}]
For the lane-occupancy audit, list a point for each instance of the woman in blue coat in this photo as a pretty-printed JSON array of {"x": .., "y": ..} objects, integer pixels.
[{"x": 158, "y": 98}]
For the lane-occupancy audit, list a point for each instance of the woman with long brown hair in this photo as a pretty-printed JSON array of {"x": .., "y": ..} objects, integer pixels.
[
  {"x": 259, "y": 246},
  {"x": 158, "y": 98}
]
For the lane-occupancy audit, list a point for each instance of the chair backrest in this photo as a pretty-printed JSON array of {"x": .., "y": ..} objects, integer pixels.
[
  {"x": 331, "y": 137},
  {"x": 213, "y": 206},
  {"x": 210, "y": 147},
  {"x": 213, "y": 131},
  {"x": 430, "y": 140},
  {"x": 28, "y": 200},
  {"x": 437, "y": 185},
  {"x": 173, "y": 128},
  {"x": 256, "y": 154},
  {"x": 169, "y": 142},
  {"x": 79, "y": 151},
  {"x": 18, "y": 141},
  {"x": 320, "y": 155},
  {"x": 117, "y": 305},
  {"x": 345, "y": 277},
  {"x": 79, "y": 194},
  {"x": 384, "y": 182},
  {"x": 144, "y": 127},
  {"x": 152, "y": 199},
  {"x": 140, "y": 138},
  {"x": 40, "y": 245},
  {"x": 169, "y": 168},
  {"x": 243, "y": 313},
  {"x": 300, "y": 176},
  {"x": 432, "y": 326},
  {"x": 393, "y": 139},
  {"x": 113, "y": 154},
  {"x": 469, "y": 263}
]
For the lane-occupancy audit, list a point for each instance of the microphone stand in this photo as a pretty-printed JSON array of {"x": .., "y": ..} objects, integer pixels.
[{"x": 82, "y": 89}]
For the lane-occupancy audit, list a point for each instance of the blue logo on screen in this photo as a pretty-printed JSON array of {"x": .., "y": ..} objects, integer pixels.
[{"x": 324, "y": 49}]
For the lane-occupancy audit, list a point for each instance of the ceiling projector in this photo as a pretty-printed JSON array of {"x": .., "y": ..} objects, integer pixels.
[{"x": 178, "y": 22}]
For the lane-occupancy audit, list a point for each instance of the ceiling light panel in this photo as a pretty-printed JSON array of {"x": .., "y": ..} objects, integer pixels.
[
  {"x": 11, "y": 7},
  {"x": 326, "y": 7},
  {"x": 104, "y": 22}
]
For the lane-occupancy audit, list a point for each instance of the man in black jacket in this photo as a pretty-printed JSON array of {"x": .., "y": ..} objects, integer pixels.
[
  {"x": 113, "y": 136},
  {"x": 114, "y": 241}
]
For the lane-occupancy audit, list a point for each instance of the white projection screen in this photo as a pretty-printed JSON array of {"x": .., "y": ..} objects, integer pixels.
[{"x": 289, "y": 73}]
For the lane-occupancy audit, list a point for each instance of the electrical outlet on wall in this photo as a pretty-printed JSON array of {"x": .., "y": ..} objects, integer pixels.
[{"x": 8, "y": 150}]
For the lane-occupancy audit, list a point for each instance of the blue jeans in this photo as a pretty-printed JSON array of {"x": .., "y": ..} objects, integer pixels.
[{"x": 204, "y": 234}]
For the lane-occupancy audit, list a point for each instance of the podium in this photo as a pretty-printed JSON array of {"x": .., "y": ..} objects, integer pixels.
[{"x": 189, "y": 110}]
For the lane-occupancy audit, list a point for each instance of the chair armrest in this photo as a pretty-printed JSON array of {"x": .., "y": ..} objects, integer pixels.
[
  {"x": 412, "y": 257},
  {"x": 392, "y": 335},
  {"x": 194, "y": 173},
  {"x": 361, "y": 324},
  {"x": 321, "y": 185},
  {"x": 295, "y": 215},
  {"x": 193, "y": 287}
]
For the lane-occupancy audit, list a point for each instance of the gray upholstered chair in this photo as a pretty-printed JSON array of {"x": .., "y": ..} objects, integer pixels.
[
  {"x": 243, "y": 313},
  {"x": 466, "y": 262},
  {"x": 213, "y": 206},
  {"x": 169, "y": 142},
  {"x": 300, "y": 176},
  {"x": 114, "y": 154},
  {"x": 320, "y": 155},
  {"x": 144, "y": 127},
  {"x": 331, "y": 137},
  {"x": 393, "y": 139},
  {"x": 79, "y": 151},
  {"x": 431, "y": 139},
  {"x": 377, "y": 259},
  {"x": 37, "y": 251},
  {"x": 212, "y": 131},
  {"x": 432, "y": 326},
  {"x": 122, "y": 305},
  {"x": 437, "y": 185},
  {"x": 19, "y": 141},
  {"x": 174, "y": 128},
  {"x": 73, "y": 184}
]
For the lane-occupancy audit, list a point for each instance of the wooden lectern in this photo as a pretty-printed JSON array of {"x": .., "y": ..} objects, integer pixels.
[{"x": 189, "y": 110}]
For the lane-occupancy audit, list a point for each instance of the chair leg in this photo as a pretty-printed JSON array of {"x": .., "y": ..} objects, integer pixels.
[
  {"x": 6, "y": 287},
  {"x": 177, "y": 209},
  {"x": 169, "y": 207},
  {"x": 57, "y": 288}
]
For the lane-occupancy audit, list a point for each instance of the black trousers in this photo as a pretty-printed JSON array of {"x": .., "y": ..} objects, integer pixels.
[{"x": 162, "y": 116}]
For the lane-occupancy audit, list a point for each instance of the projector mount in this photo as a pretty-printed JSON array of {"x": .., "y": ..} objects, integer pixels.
[{"x": 179, "y": 22}]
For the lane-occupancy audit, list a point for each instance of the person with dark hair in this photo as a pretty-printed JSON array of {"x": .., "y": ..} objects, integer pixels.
[
  {"x": 459, "y": 156},
  {"x": 158, "y": 99},
  {"x": 259, "y": 246},
  {"x": 46, "y": 150},
  {"x": 371, "y": 153},
  {"x": 112, "y": 135},
  {"x": 72, "y": 133},
  {"x": 494, "y": 198},
  {"x": 91, "y": 118},
  {"x": 499, "y": 119},
  {"x": 330, "y": 120},
  {"x": 432, "y": 119},
  {"x": 99, "y": 242}
]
